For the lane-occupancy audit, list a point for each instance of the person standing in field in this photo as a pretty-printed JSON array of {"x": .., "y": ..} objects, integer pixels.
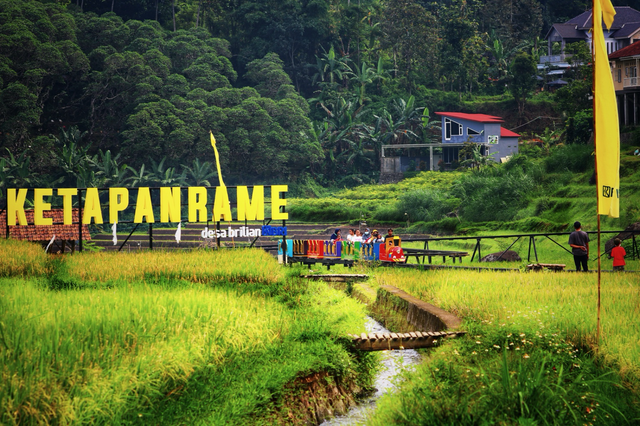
[
  {"x": 618, "y": 253},
  {"x": 579, "y": 242}
]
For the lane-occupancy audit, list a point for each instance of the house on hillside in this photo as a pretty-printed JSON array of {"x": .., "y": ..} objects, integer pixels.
[
  {"x": 624, "y": 69},
  {"x": 484, "y": 130},
  {"x": 64, "y": 236},
  {"x": 457, "y": 128},
  {"x": 624, "y": 31}
]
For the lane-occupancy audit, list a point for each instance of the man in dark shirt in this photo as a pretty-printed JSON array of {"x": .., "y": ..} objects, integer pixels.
[
  {"x": 389, "y": 235},
  {"x": 579, "y": 242}
]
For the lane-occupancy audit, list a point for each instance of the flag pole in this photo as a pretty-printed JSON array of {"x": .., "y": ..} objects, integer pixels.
[{"x": 595, "y": 141}]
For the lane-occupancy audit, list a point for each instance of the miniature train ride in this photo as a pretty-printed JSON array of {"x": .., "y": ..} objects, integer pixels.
[{"x": 345, "y": 252}]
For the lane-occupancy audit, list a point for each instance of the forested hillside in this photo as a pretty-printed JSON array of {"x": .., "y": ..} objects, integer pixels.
[{"x": 124, "y": 92}]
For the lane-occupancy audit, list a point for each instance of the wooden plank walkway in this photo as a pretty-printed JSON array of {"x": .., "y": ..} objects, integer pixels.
[
  {"x": 412, "y": 340},
  {"x": 337, "y": 277},
  {"x": 550, "y": 266}
]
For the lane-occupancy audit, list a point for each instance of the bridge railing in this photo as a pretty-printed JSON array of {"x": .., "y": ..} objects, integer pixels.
[{"x": 635, "y": 251}]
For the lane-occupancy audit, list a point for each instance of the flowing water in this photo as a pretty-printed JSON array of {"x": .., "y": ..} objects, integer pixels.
[{"x": 393, "y": 363}]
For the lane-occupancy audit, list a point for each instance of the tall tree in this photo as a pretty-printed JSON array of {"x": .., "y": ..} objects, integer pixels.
[
  {"x": 523, "y": 79},
  {"x": 411, "y": 36}
]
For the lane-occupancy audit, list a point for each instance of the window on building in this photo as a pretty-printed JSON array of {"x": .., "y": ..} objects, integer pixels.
[
  {"x": 451, "y": 128},
  {"x": 450, "y": 154},
  {"x": 471, "y": 132},
  {"x": 619, "y": 72},
  {"x": 630, "y": 71}
]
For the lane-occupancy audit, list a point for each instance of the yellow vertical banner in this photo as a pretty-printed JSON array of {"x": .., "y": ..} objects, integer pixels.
[
  {"x": 605, "y": 114},
  {"x": 215, "y": 151}
]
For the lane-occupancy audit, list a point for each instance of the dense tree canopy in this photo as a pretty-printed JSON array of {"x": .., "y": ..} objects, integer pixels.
[{"x": 291, "y": 89}]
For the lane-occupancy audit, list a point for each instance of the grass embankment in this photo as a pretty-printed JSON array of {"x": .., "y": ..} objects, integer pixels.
[
  {"x": 527, "y": 358},
  {"x": 168, "y": 338}
]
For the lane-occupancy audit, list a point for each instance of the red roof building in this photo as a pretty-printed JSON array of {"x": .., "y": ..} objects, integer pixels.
[
  {"x": 624, "y": 70},
  {"x": 482, "y": 129}
]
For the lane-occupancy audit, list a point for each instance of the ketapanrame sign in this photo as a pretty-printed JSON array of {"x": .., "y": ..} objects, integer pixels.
[{"x": 170, "y": 204}]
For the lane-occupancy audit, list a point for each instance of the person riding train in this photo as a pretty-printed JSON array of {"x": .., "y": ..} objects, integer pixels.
[{"x": 375, "y": 237}]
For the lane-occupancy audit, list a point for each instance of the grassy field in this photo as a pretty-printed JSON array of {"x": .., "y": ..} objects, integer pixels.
[
  {"x": 217, "y": 337},
  {"x": 548, "y": 251},
  {"x": 173, "y": 338},
  {"x": 531, "y": 355},
  {"x": 560, "y": 301}
]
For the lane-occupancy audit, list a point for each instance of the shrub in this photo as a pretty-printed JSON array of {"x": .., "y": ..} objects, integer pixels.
[
  {"x": 322, "y": 210},
  {"x": 447, "y": 225},
  {"x": 389, "y": 214},
  {"x": 490, "y": 198},
  {"x": 425, "y": 205},
  {"x": 580, "y": 127},
  {"x": 574, "y": 158}
]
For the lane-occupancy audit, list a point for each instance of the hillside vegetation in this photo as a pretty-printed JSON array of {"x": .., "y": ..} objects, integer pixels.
[
  {"x": 124, "y": 93},
  {"x": 534, "y": 191}
]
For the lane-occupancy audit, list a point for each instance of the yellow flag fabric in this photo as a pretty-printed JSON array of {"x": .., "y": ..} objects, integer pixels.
[
  {"x": 215, "y": 150},
  {"x": 607, "y": 133}
]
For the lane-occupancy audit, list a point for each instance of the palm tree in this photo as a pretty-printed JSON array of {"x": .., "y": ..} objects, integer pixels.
[
  {"x": 72, "y": 157},
  {"x": 474, "y": 157},
  {"x": 140, "y": 177},
  {"x": 398, "y": 127},
  {"x": 366, "y": 75},
  {"x": 164, "y": 177},
  {"x": 200, "y": 173},
  {"x": 16, "y": 171},
  {"x": 109, "y": 171},
  {"x": 332, "y": 66},
  {"x": 548, "y": 138},
  {"x": 428, "y": 126}
]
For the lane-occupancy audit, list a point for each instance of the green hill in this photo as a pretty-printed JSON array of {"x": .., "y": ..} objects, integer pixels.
[{"x": 534, "y": 191}]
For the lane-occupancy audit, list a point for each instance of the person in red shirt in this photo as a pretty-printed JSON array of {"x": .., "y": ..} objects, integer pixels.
[{"x": 618, "y": 255}]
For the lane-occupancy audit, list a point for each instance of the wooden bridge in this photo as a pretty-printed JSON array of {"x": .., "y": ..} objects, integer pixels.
[{"x": 412, "y": 340}]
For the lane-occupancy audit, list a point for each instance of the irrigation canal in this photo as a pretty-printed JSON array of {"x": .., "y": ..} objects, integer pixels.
[{"x": 392, "y": 364}]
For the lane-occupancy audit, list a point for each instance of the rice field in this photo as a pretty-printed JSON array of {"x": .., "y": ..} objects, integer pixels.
[
  {"x": 167, "y": 338},
  {"x": 19, "y": 259},
  {"x": 240, "y": 266},
  {"x": 565, "y": 302}
]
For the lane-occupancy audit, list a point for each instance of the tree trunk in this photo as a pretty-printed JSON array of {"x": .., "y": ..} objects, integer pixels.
[
  {"x": 173, "y": 12},
  {"x": 112, "y": 4},
  {"x": 198, "y": 14},
  {"x": 157, "y": 1}
]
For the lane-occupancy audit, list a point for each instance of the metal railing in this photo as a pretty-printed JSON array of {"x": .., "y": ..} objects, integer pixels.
[{"x": 635, "y": 250}]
